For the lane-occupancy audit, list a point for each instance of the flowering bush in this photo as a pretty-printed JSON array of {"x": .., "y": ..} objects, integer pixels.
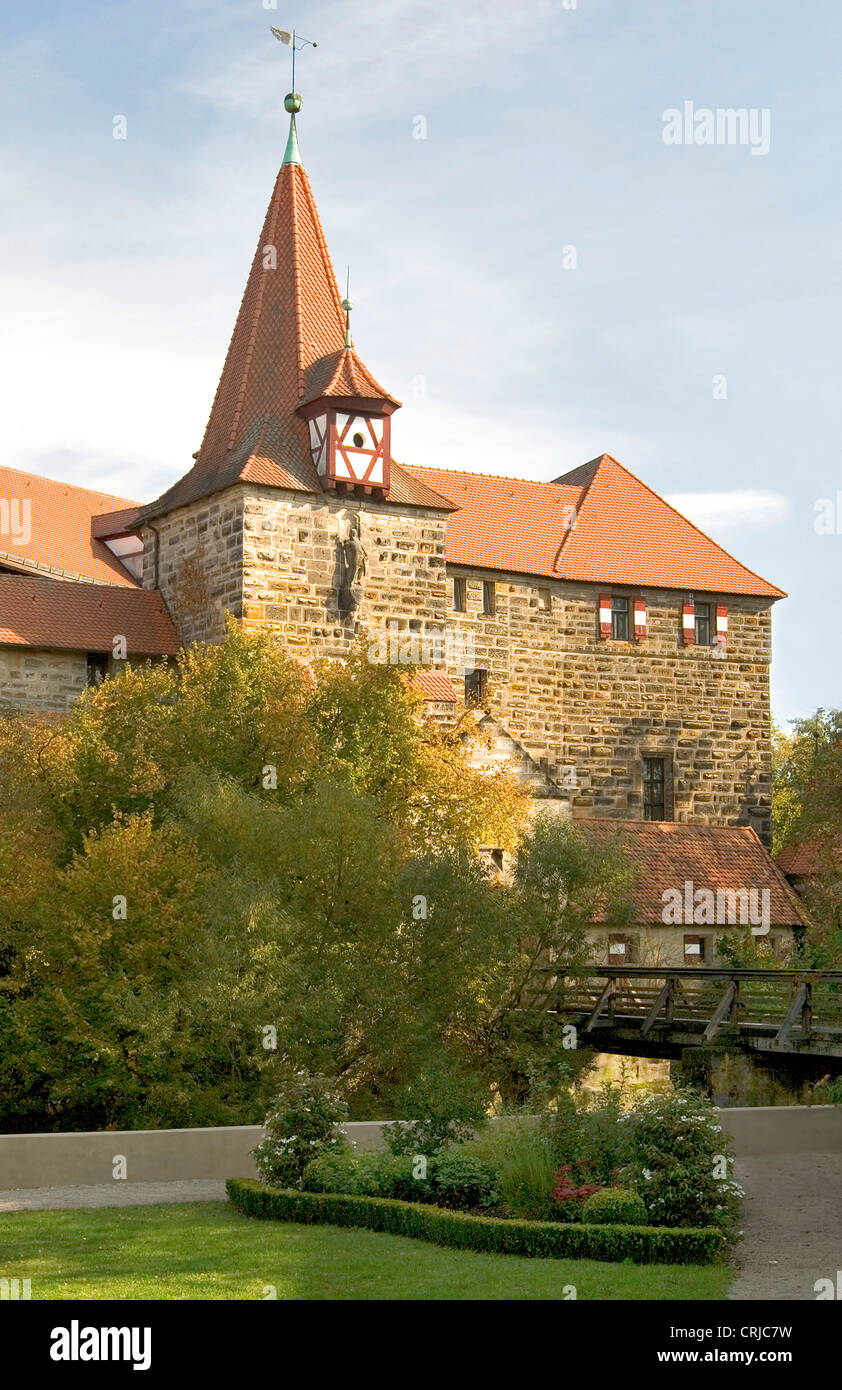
[
  {"x": 300, "y": 1124},
  {"x": 572, "y": 1187},
  {"x": 679, "y": 1162}
]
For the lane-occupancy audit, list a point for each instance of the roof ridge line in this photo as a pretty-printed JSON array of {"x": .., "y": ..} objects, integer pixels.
[
  {"x": 500, "y": 477},
  {"x": 76, "y": 487},
  {"x": 296, "y": 276},
  {"x": 699, "y": 532},
  {"x": 323, "y": 246},
  {"x": 272, "y": 212}
]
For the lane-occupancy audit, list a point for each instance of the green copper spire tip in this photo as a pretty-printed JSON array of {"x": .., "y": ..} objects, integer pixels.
[{"x": 292, "y": 154}]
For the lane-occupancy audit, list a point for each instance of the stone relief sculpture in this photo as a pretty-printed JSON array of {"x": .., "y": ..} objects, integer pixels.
[{"x": 353, "y": 563}]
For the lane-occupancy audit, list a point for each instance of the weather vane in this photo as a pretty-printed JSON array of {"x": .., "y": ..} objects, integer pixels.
[{"x": 293, "y": 41}]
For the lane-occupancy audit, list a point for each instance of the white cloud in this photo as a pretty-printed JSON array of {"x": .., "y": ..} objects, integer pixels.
[{"x": 742, "y": 507}]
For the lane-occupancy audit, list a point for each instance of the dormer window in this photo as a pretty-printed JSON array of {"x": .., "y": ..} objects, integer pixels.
[{"x": 350, "y": 443}]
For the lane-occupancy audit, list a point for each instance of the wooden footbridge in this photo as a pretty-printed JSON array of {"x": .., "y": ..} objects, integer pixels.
[{"x": 640, "y": 1011}]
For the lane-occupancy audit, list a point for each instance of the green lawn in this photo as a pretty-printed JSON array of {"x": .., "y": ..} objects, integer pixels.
[{"x": 208, "y": 1250}]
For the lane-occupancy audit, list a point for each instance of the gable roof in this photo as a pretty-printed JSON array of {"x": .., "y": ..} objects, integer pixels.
[
  {"x": 627, "y": 534},
  {"x": 668, "y": 854},
  {"x": 810, "y": 858},
  {"x": 60, "y": 521},
  {"x": 67, "y": 615},
  {"x": 623, "y": 532}
]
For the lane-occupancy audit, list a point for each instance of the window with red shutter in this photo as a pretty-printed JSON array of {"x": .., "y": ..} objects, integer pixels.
[
  {"x": 688, "y": 623},
  {"x": 640, "y": 620},
  {"x": 604, "y": 615}
]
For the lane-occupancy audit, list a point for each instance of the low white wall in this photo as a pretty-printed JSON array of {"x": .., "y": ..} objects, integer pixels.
[
  {"x": 151, "y": 1155},
  {"x": 170, "y": 1155},
  {"x": 783, "y": 1129}
]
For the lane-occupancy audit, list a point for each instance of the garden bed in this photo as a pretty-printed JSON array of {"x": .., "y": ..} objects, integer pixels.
[{"x": 486, "y": 1234}]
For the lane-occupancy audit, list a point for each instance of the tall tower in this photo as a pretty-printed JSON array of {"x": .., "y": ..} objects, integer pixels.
[{"x": 297, "y": 412}]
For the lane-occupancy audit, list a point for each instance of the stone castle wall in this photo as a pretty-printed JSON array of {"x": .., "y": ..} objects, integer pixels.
[
  {"x": 585, "y": 709},
  {"x": 48, "y": 682},
  {"x": 194, "y": 555},
  {"x": 594, "y": 708},
  {"x": 292, "y": 569}
]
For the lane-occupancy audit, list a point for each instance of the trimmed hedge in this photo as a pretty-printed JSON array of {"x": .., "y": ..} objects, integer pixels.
[
  {"x": 487, "y": 1234},
  {"x": 615, "y": 1206}
]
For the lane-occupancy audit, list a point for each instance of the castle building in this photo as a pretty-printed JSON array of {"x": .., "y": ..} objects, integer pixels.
[{"x": 619, "y": 655}]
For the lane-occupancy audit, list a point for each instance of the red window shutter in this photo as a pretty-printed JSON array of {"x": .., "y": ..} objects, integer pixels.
[
  {"x": 688, "y": 623},
  {"x": 640, "y": 620},
  {"x": 605, "y": 615},
  {"x": 722, "y": 625}
]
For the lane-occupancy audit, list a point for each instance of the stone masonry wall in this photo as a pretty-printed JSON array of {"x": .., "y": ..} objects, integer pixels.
[
  {"x": 197, "y": 563},
  {"x": 291, "y": 568},
  {"x": 599, "y": 706},
  {"x": 585, "y": 709},
  {"x": 47, "y": 682}
]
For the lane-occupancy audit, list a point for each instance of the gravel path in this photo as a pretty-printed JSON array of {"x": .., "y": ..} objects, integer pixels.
[
  {"x": 113, "y": 1194},
  {"x": 792, "y": 1225}
]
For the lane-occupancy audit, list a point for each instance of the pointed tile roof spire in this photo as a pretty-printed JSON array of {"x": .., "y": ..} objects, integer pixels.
[{"x": 288, "y": 346}]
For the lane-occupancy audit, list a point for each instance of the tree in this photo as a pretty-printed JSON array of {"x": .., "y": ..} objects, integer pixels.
[{"x": 233, "y": 867}]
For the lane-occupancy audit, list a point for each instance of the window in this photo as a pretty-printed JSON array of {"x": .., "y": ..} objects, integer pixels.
[
  {"x": 622, "y": 949},
  {"x": 695, "y": 950},
  {"x": 703, "y": 625},
  {"x": 97, "y": 667},
  {"x": 459, "y": 587},
  {"x": 489, "y": 598},
  {"x": 475, "y": 683},
  {"x": 545, "y": 600},
  {"x": 654, "y": 783},
  {"x": 620, "y": 619}
]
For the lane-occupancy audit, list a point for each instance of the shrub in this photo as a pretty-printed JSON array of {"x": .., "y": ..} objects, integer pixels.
[
  {"x": 488, "y": 1234},
  {"x": 300, "y": 1125},
  {"x": 679, "y": 1160},
  {"x": 614, "y": 1206},
  {"x": 588, "y": 1131},
  {"x": 332, "y": 1171},
  {"x": 526, "y": 1170},
  {"x": 371, "y": 1175},
  {"x": 440, "y": 1109},
  {"x": 463, "y": 1182},
  {"x": 572, "y": 1188}
]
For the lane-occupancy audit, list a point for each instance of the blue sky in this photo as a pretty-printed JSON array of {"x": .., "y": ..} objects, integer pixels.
[{"x": 123, "y": 261}]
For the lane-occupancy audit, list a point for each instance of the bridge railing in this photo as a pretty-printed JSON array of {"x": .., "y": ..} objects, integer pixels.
[{"x": 782, "y": 1009}]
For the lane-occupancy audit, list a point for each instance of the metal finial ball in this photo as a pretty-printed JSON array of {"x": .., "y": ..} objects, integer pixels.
[
  {"x": 347, "y": 305},
  {"x": 292, "y": 102}
]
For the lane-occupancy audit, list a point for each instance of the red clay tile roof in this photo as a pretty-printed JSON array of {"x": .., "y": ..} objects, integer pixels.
[
  {"x": 436, "y": 685},
  {"x": 60, "y": 524},
  {"x": 808, "y": 859},
  {"x": 627, "y": 534},
  {"x": 287, "y": 349},
  {"x": 668, "y": 854},
  {"x": 502, "y": 523},
  {"x": 624, "y": 533},
  {"x": 287, "y": 345},
  {"x": 83, "y": 617},
  {"x": 343, "y": 373}
]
